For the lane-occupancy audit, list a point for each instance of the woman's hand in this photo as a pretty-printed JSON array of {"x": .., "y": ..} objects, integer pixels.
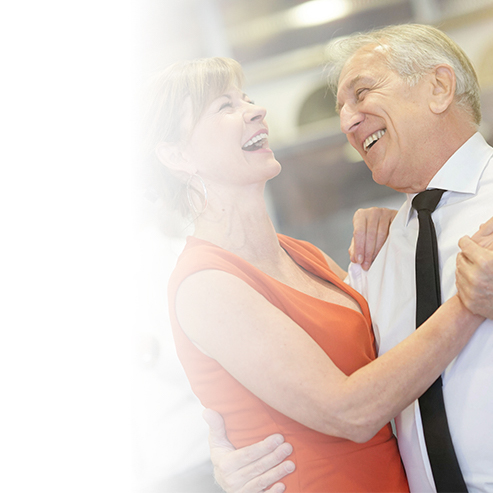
[
  {"x": 474, "y": 275},
  {"x": 371, "y": 228}
]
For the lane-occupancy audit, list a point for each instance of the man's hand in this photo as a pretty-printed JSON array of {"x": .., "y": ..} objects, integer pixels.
[
  {"x": 474, "y": 275},
  {"x": 371, "y": 228},
  {"x": 250, "y": 469}
]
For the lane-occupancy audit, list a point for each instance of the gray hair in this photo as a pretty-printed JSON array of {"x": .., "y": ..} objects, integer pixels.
[{"x": 411, "y": 50}]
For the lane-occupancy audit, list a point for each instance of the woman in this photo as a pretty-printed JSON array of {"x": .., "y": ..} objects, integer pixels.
[{"x": 268, "y": 333}]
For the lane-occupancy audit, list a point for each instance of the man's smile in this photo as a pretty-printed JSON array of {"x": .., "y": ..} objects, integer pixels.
[{"x": 372, "y": 139}]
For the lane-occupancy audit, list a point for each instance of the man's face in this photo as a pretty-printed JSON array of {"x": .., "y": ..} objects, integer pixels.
[{"x": 388, "y": 122}]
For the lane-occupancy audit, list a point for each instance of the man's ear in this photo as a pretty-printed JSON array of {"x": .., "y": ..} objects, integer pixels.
[
  {"x": 443, "y": 83},
  {"x": 172, "y": 157}
]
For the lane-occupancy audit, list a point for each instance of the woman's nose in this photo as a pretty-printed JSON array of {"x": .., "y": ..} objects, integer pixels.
[{"x": 255, "y": 112}]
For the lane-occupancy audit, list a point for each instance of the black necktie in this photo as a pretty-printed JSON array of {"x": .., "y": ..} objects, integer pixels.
[{"x": 446, "y": 471}]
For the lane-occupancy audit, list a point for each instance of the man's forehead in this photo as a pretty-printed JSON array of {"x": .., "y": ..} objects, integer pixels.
[
  {"x": 364, "y": 78},
  {"x": 366, "y": 65},
  {"x": 363, "y": 54}
]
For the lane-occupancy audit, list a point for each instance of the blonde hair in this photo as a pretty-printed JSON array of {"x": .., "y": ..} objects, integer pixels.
[
  {"x": 412, "y": 50},
  {"x": 192, "y": 83}
]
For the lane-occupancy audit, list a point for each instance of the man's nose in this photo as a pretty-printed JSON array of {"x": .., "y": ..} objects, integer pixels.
[{"x": 350, "y": 118}]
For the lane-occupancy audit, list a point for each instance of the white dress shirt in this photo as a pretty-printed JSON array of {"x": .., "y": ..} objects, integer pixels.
[{"x": 389, "y": 287}]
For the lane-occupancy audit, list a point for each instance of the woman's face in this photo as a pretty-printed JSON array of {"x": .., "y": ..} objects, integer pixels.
[{"x": 229, "y": 144}]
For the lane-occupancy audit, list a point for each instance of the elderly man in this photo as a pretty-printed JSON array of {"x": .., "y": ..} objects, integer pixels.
[{"x": 408, "y": 100}]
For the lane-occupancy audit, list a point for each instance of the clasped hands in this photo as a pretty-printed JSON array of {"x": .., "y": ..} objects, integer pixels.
[{"x": 474, "y": 275}]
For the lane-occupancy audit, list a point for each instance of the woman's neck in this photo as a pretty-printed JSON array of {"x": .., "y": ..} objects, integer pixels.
[{"x": 241, "y": 225}]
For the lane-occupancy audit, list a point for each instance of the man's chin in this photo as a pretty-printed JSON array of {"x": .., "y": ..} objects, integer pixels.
[{"x": 379, "y": 177}]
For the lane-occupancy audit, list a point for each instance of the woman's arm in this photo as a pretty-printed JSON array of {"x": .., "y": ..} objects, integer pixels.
[{"x": 280, "y": 363}]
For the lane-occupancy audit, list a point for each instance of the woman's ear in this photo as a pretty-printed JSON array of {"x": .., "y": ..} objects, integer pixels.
[
  {"x": 443, "y": 82},
  {"x": 172, "y": 157}
]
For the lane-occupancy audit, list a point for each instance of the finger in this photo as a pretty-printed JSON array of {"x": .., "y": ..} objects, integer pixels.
[
  {"x": 359, "y": 236},
  {"x": 270, "y": 477},
  {"x": 382, "y": 234},
  {"x": 467, "y": 246},
  {"x": 474, "y": 253},
  {"x": 459, "y": 268},
  {"x": 386, "y": 217},
  {"x": 256, "y": 459},
  {"x": 257, "y": 475},
  {"x": 487, "y": 227},
  {"x": 464, "y": 275},
  {"x": 464, "y": 241},
  {"x": 461, "y": 290},
  {"x": 463, "y": 257},
  {"x": 352, "y": 253},
  {"x": 377, "y": 232},
  {"x": 460, "y": 262},
  {"x": 484, "y": 236},
  {"x": 465, "y": 293},
  {"x": 484, "y": 240},
  {"x": 359, "y": 246},
  {"x": 465, "y": 270},
  {"x": 371, "y": 239},
  {"x": 277, "y": 488}
]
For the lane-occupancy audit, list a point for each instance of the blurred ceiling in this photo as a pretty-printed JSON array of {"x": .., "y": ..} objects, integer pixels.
[{"x": 252, "y": 30}]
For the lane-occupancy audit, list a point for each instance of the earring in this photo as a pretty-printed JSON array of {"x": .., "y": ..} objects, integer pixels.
[{"x": 191, "y": 190}]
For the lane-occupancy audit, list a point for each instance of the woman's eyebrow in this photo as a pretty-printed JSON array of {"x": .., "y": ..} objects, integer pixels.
[
  {"x": 224, "y": 96},
  {"x": 244, "y": 96}
]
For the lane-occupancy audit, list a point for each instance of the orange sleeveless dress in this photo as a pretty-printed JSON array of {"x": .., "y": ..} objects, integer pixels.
[{"x": 323, "y": 463}]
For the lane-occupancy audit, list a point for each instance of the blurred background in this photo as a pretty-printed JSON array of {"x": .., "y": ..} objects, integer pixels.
[{"x": 280, "y": 44}]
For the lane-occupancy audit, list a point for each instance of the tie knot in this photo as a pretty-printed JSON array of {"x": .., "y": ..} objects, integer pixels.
[{"x": 427, "y": 200}]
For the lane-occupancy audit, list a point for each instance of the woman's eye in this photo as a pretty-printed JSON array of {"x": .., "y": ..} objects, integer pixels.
[{"x": 225, "y": 105}]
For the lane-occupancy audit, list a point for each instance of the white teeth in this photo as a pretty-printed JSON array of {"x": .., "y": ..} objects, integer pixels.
[
  {"x": 373, "y": 138},
  {"x": 255, "y": 139}
]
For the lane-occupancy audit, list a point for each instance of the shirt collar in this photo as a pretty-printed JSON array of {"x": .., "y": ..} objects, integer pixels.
[{"x": 462, "y": 172}]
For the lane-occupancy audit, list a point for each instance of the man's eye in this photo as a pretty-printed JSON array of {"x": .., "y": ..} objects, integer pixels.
[{"x": 361, "y": 92}]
